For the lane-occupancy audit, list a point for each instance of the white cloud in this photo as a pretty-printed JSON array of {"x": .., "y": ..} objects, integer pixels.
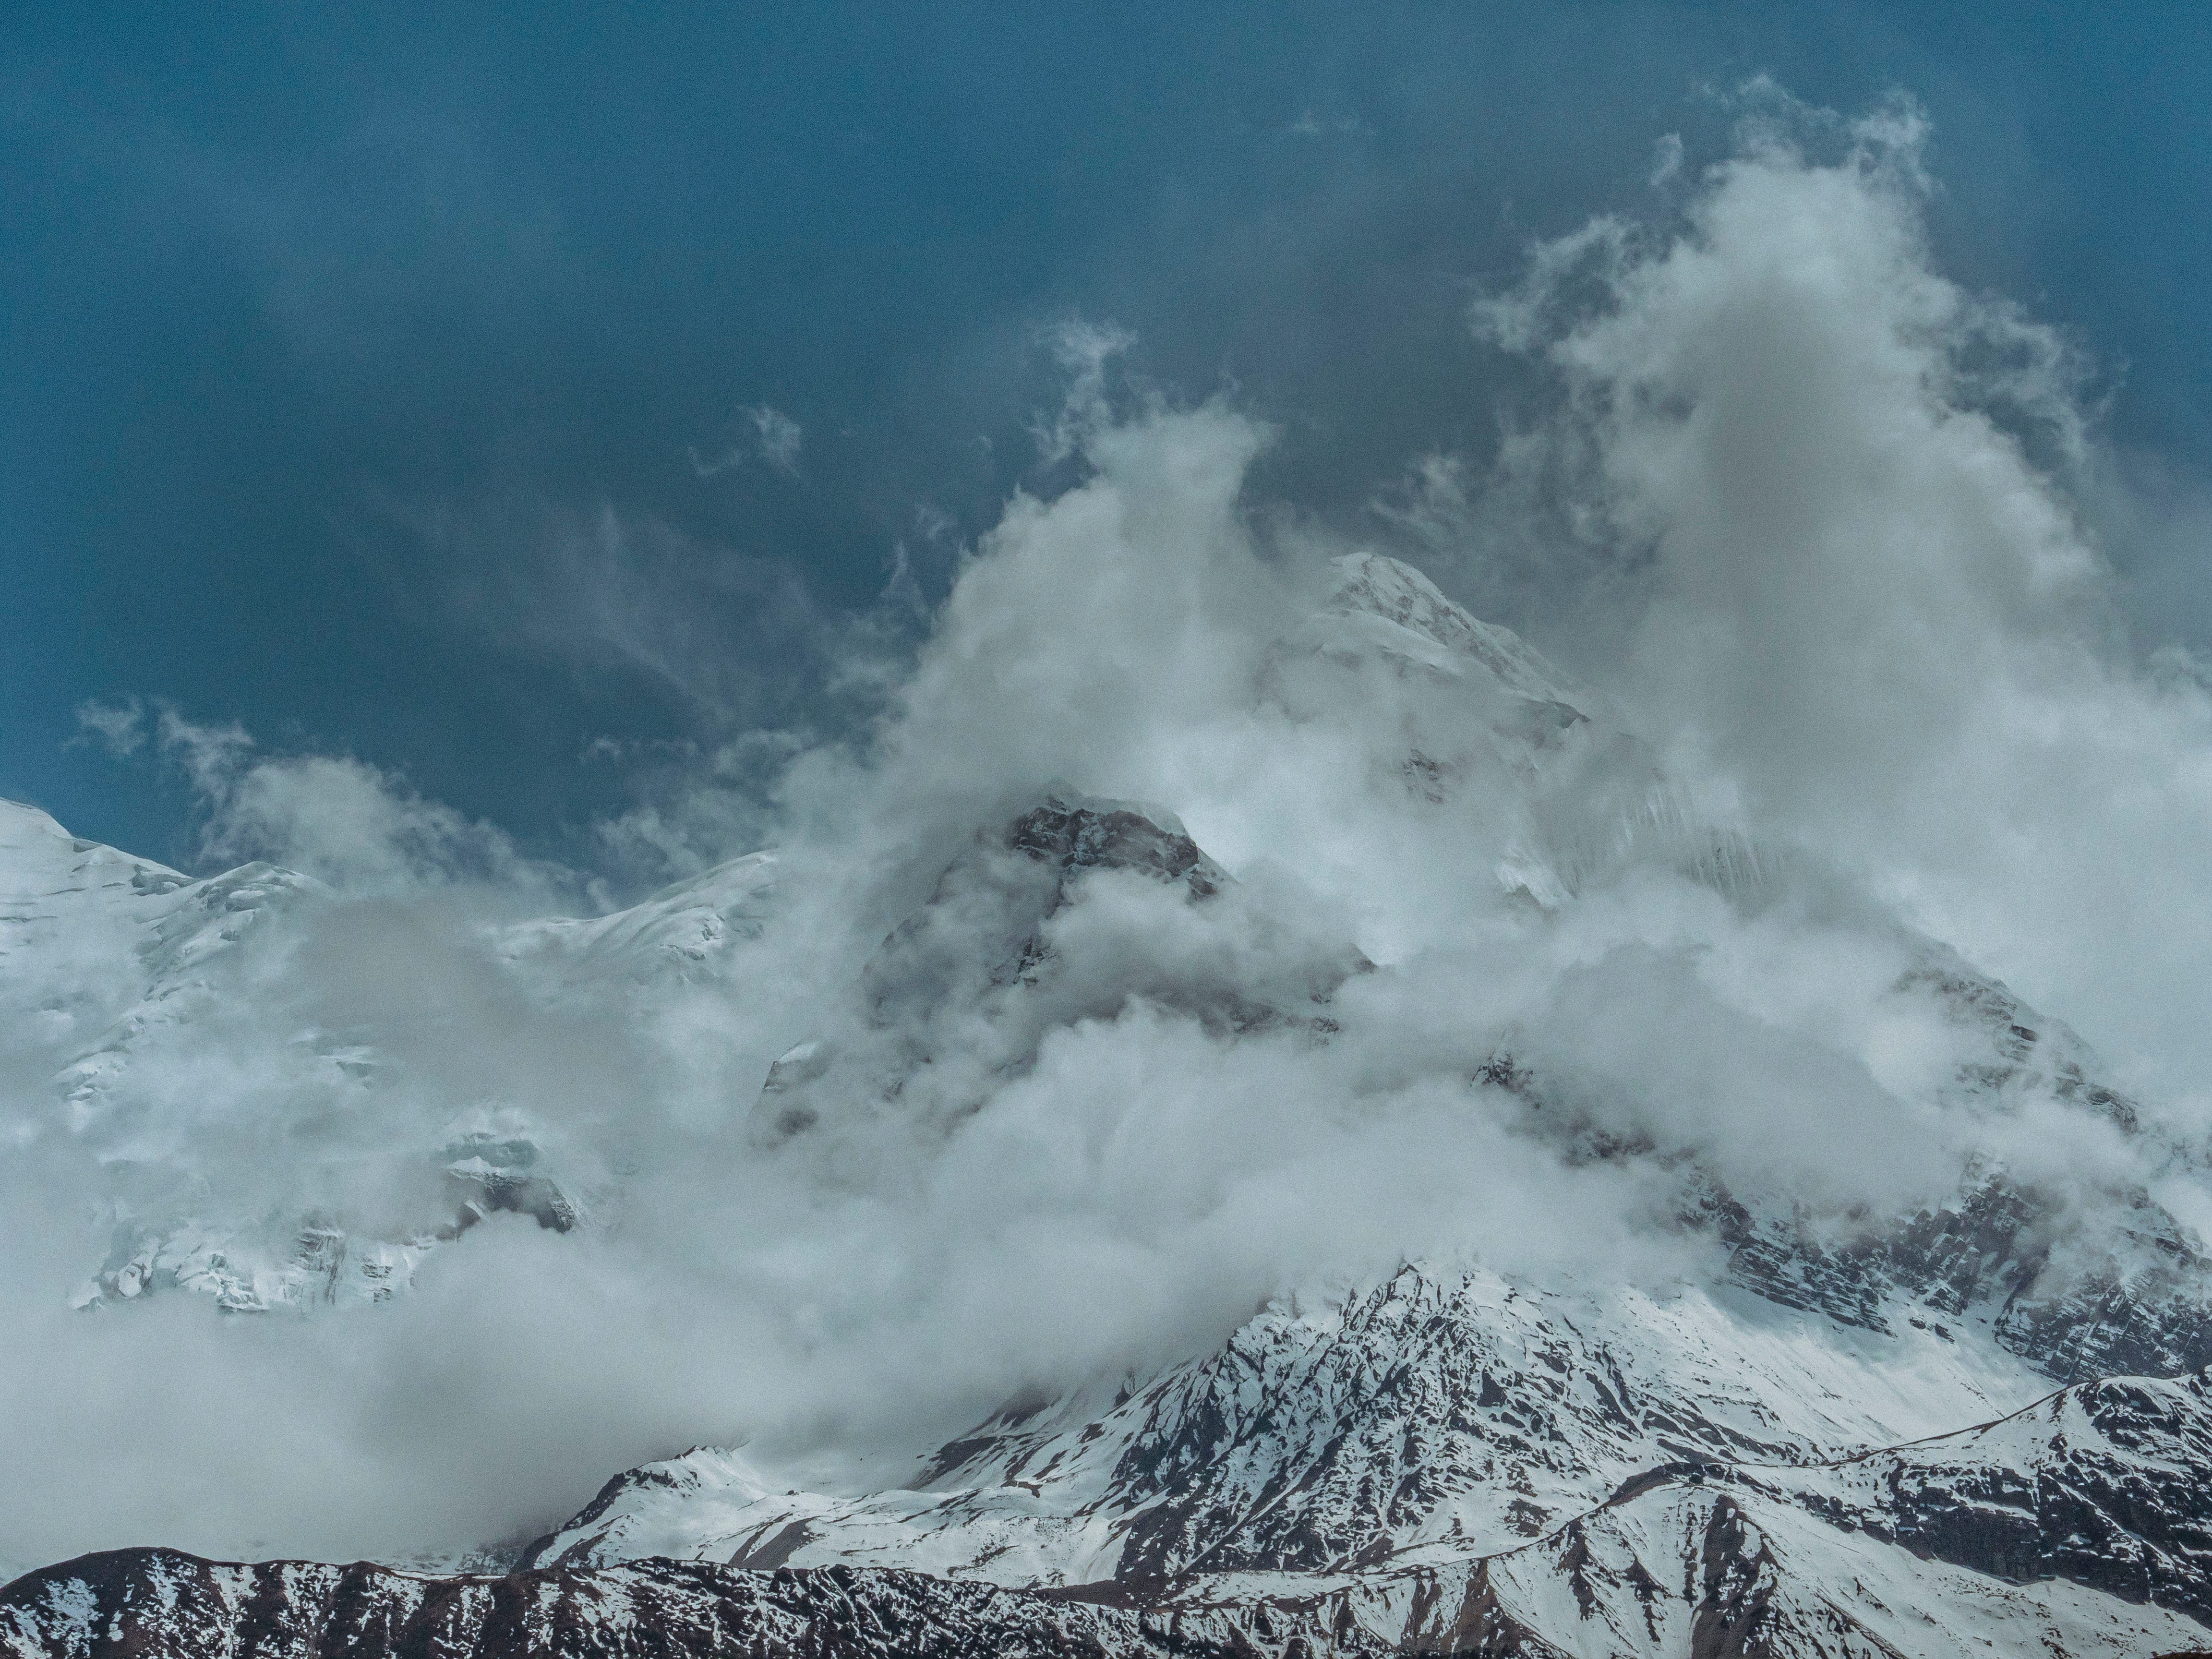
[
  {"x": 1084, "y": 350},
  {"x": 119, "y": 727},
  {"x": 779, "y": 437},
  {"x": 1310, "y": 125},
  {"x": 1860, "y": 592},
  {"x": 362, "y": 830},
  {"x": 775, "y": 439},
  {"x": 1853, "y": 613}
]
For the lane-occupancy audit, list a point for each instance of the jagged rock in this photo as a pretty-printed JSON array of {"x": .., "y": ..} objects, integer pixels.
[{"x": 143, "y": 1602}]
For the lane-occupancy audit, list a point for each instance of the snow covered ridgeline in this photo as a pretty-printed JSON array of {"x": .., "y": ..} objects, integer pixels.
[
  {"x": 2075, "y": 1527},
  {"x": 162, "y": 1601},
  {"x": 1465, "y": 1462}
]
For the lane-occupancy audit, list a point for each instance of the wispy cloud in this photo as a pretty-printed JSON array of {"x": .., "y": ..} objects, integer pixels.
[
  {"x": 1310, "y": 125},
  {"x": 776, "y": 437},
  {"x": 118, "y": 727}
]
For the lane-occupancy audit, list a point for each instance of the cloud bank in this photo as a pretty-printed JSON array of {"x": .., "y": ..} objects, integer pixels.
[
  {"x": 1835, "y": 496},
  {"x": 1797, "y": 507}
]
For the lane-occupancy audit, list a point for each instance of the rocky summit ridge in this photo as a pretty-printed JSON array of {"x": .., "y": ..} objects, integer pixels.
[{"x": 1979, "y": 1424}]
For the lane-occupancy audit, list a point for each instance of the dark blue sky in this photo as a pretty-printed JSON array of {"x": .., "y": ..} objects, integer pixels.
[{"x": 355, "y": 358}]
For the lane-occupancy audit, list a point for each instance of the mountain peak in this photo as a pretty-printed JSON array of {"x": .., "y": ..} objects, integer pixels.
[
  {"x": 1425, "y": 627},
  {"x": 1081, "y": 832}
]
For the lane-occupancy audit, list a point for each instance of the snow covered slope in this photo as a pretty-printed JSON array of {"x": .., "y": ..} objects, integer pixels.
[
  {"x": 130, "y": 994},
  {"x": 1553, "y": 1461},
  {"x": 2074, "y": 1528},
  {"x": 685, "y": 931}
]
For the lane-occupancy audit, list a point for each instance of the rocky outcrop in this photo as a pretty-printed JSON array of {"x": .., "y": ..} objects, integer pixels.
[
  {"x": 135, "y": 1604},
  {"x": 961, "y": 995},
  {"x": 2107, "y": 1485}
]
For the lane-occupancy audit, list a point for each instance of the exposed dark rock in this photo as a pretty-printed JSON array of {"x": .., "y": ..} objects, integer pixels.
[
  {"x": 1097, "y": 835},
  {"x": 137, "y": 1604},
  {"x": 960, "y": 996},
  {"x": 2119, "y": 1309},
  {"x": 2114, "y": 1491}
]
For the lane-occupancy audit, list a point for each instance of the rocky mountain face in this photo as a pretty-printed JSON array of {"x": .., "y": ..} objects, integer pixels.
[
  {"x": 2075, "y": 1527},
  {"x": 1460, "y": 1466},
  {"x": 1978, "y": 1423},
  {"x": 159, "y": 1602}
]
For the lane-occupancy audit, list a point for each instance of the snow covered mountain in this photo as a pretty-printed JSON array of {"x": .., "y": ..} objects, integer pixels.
[
  {"x": 1977, "y": 1419},
  {"x": 1437, "y": 1466},
  {"x": 113, "y": 968}
]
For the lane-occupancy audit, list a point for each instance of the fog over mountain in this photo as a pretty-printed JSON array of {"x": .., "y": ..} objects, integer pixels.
[{"x": 1219, "y": 914}]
